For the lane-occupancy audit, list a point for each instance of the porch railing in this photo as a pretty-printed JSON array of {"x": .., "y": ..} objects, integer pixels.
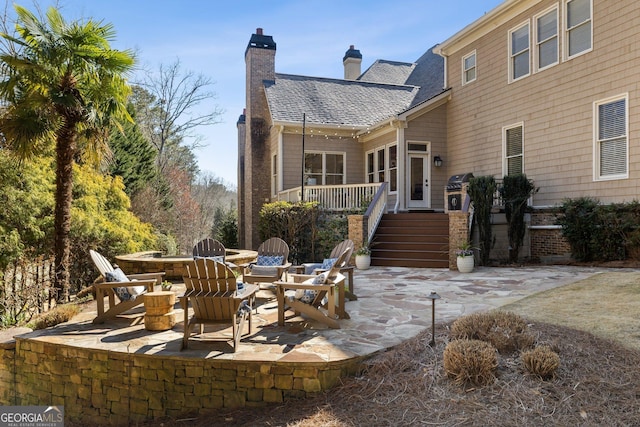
[
  {"x": 376, "y": 209},
  {"x": 334, "y": 197}
]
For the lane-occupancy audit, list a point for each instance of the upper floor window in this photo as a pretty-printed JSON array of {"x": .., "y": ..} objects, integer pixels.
[
  {"x": 519, "y": 52},
  {"x": 578, "y": 27},
  {"x": 547, "y": 39},
  {"x": 513, "y": 148},
  {"x": 324, "y": 168},
  {"x": 611, "y": 142},
  {"x": 469, "y": 68}
]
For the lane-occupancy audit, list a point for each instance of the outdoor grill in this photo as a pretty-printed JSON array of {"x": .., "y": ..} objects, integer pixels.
[{"x": 454, "y": 190}]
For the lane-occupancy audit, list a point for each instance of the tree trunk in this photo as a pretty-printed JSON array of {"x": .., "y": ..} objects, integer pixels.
[{"x": 65, "y": 151}]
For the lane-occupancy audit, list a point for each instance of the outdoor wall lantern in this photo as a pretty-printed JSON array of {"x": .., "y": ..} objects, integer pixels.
[
  {"x": 437, "y": 161},
  {"x": 433, "y": 296}
]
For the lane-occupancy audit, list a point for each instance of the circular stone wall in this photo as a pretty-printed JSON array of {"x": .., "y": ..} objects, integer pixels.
[{"x": 172, "y": 266}]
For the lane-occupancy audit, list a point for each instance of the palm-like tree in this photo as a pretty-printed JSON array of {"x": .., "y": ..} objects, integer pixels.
[{"x": 62, "y": 82}]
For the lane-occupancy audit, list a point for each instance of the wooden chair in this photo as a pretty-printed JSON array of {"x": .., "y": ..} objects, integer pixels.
[
  {"x": 212, "y": 291},
  {"x": 345, "y": 268},
  {"x": 105, "y": 288},
  {"x": 261, "y": 271},
  {"x": 328, "y": 285},
  {"x": 209, "y": 248}
]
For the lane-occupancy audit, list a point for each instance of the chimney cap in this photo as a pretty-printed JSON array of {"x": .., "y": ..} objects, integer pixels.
[
  {"x": 260, "y": 41},
  {"x": 352, "y": 53}
]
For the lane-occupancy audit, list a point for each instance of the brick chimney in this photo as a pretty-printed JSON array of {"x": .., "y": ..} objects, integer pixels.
[{"x": 352, "y": 61}]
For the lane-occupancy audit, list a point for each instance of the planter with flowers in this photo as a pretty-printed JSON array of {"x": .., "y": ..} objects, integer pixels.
[
  {"x": 363, "y": 256},
  {"x": 464, "y": 259}
]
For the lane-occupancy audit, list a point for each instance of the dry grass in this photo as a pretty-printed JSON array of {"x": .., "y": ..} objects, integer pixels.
[
  {"x": 470, "y": 362},
  {"x": 596, "y": 383}
]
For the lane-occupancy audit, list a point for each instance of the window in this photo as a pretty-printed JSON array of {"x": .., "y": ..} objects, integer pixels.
[
  {"x": 274, "y": 174},
  {"x": 393, "y": 168},
  {"x": 611, "y": 141},
  {"x": 578, "y": 27},
  {"x": 380, "y": 165},
  {"x": 513, "y": 147},
  {"x": 519, "y": 52},
  {"x": 547, "y": 39},
  {"x": 377, "y": 168},
  {"x": 469, "y": 68},
  {"x": 370, "y": 168},
  {"x": 324, "y": 168}
]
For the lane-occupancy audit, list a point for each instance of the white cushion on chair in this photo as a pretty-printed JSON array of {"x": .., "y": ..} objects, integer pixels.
[{"x": 308, "y": 295}]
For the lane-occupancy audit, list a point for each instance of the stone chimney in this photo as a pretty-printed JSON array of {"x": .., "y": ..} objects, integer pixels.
[{"x": 352, "y": 61}]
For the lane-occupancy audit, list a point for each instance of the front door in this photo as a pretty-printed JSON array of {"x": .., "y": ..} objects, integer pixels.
[{"x": 419, "y": 194}]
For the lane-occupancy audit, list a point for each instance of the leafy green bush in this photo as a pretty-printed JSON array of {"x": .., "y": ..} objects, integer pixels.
[
  {"x": 481, "y": 191},
  {"x": 597, "y": 232},
  {"x": 516, "y": 191}
]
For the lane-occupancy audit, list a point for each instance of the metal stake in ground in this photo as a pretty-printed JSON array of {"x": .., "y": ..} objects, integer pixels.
[{"x": 433, "y": 296}]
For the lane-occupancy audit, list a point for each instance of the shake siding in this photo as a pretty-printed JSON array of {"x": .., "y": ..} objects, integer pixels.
[
  {"x": 431, "y": 127},
  {"x": 555, "y": 106}
]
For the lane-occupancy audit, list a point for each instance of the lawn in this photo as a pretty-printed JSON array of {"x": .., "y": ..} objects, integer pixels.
[{"x": 592, "y": 324}]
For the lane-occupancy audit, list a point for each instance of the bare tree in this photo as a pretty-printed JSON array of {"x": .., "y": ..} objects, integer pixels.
[{"x": 169, "y": 108}]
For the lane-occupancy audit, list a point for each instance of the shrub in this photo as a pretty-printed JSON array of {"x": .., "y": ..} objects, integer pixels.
[
  {"x": 578, "y": 220},
  {"x": 57, "y": 315},
  {"x": 541, "y": 361},
  {"x": 470, "y": 361},
  {"x": 516, "y": 191},
  {"x": 504, "y": 330},
  {"x": 481, "y": 191}
]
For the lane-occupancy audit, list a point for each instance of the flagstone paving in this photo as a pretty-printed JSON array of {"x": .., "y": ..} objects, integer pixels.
[{"x": 392, "y": 306}]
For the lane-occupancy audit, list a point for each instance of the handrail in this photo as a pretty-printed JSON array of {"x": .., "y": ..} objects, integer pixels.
[
  {"x": 337, "y": 198},
  {"x": 376, "y": 209}
]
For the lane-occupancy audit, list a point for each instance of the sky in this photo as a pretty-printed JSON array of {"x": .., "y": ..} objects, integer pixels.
[{"x": 209, "y": 37}]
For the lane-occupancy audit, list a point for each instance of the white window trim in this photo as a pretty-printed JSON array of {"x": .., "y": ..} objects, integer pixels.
[
  {"x": 464, "y": 70},
  {"x": 536, "y": 55},
  {"x": 565, "y": 31},
  {"x": 505, "y": 168},
  {"x": 510, "y": 44},
  {"x": 324, "y": 164},
  {"x": 387, "y": 170},
  {"x": 274, "y": 174},
  {"x": 596, "y": 150}
]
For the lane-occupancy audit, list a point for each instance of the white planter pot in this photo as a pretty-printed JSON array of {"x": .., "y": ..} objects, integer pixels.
[
  {"x": 465, "y": 264},
  {"x": 363, "y": 261}
]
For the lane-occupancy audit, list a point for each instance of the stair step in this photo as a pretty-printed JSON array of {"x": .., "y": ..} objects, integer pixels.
[{"x": 412, "y": 263}]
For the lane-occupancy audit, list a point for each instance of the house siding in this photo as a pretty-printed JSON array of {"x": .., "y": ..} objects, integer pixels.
[{"x": 555, "y": 106}]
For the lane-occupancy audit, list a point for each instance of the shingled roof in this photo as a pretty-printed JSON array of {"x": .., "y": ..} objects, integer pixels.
[
  {"x": 335, "y": 101},
  {"x": 386, "y": 89}
]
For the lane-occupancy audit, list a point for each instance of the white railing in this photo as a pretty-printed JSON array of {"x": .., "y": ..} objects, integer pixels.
[
  {"x": 334, "y": 197},
  {"x": 376, "y": 209}
]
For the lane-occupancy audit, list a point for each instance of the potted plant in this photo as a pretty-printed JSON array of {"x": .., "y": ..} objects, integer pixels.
[
  {"x": 363, "y": 256},
  {"x": 464, "y": 259}
]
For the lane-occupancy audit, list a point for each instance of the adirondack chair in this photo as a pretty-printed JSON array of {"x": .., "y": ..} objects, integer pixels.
[
  {"x": 345, "y": 268},
  {"x": 209, "y": 248},
  {"x": 271, "y": 263},
  {"x": 309, "y": 293},
  {"x": 122, "y": 286},
  {"x": 211, "y": 289}
]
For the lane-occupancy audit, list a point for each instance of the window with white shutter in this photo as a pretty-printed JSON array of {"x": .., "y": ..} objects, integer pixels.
[
  {"x": 513, "y": 149},
  {"x": 611, "y": 144}
]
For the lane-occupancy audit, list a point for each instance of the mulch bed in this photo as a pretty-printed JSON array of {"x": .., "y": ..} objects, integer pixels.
[{"x": 597, "y": 383}]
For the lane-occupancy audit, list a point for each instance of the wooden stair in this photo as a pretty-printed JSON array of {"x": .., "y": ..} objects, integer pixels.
[{"x": 412, "y": 239}]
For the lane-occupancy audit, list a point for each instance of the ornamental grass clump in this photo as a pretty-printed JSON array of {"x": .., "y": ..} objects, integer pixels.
[
  {"x": 470, "y": 362},
  {"x": 506, "y": 331},
  {"x": 542, "y": 361}
]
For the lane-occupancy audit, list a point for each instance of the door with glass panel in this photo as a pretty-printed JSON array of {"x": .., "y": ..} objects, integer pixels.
[{"x": 418, "y": 189}]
